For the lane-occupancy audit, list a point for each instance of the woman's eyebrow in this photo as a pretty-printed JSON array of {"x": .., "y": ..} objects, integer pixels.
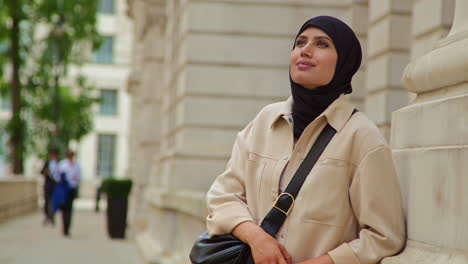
[
  {"x": 302, "y": 37},
  {"x": 316, "y": 37},
  {"x": 322, "y": 37}
]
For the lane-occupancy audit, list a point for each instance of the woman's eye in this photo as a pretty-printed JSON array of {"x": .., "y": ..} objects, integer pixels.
[
  {"x": 322, "y": 44},
  {"x": 300, "y": 43}
]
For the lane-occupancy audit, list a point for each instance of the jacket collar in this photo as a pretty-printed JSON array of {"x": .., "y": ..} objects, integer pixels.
[
  {"x": 284, "y": 110},
  {"x": 336, "y": 114}
]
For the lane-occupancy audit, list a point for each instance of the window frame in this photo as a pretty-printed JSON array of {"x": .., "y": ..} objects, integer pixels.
[
  {"x": 105, "y": 8},
  {"x": 101, "y": 56},
  {"x": 101, "y": 105},
  {"x": 5, "y": 103},
  {"x": 99, "y": 159}
]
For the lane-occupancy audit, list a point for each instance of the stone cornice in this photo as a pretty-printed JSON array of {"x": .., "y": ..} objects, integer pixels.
[
  {"x": 447, "y": 64},
  {"x": 130, "y": 8},
  {"x": 133, "y": 82},
  {"x": 442, "y": 67}
]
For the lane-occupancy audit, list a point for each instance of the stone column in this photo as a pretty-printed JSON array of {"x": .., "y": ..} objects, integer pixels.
[
  {"x": 357, "y": 18},
  {"x": 143, "y": 86},
  {"x": 387, "y": 54},
  {"x": 430, "y": 143}
]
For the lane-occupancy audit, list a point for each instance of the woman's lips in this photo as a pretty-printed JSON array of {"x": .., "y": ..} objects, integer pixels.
[{"x": 304, "y": 65}]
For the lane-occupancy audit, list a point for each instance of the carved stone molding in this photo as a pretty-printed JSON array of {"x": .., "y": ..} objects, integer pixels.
[
  {"x": 447, "y": 64},
  {"x": 154, "y": 16}
]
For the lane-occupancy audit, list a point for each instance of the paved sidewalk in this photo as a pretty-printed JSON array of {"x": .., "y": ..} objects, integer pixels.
[{"x": 25, "y": 240}]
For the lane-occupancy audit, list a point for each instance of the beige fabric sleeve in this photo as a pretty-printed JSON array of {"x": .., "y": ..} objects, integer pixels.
[
  {"x": 226, "y": 200},
  {"x": 376, "y": 201}
]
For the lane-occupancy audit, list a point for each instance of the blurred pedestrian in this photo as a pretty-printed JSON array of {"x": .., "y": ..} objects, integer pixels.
[
  {"x": 70, "y": 173},
  {"x": 49, "y": 172}
]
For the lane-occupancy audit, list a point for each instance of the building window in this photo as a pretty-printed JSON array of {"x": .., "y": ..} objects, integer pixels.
[
  {"x": 3, "y": 48},
  {"x": 106, "y": 156},
  {"x": 106, "y": 6},
  {"x": 5, "y": 103},
  {"x": 108, "y": 104},
  {"x": 105, "y": 54},
  {"x": 4, "y": 154}
]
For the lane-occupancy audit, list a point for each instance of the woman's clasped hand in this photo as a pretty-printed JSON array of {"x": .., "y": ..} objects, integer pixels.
[{"x": 265, "y": 249}]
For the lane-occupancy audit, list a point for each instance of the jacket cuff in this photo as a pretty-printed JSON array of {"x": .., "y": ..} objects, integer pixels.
[
  {"x": 343, "y": 255},
  {"x": 226, "y": 217}
]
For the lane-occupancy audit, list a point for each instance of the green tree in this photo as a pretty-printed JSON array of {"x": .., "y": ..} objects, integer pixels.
[
  {"x": 75, "y": 117},
  {"x": 43, "y": 37},
  {"x": 13, "y": 15}
]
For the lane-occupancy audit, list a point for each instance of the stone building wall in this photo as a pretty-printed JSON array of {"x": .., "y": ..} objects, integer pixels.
[
  {"x": 201, "y": 71},
  {"x": 430, "y": 136}
]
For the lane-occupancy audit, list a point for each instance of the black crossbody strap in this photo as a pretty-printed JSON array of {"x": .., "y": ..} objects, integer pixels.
[{"x": 285, "y": 201}]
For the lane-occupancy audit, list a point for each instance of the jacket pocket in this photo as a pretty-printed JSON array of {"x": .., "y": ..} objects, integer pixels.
[
  {"x": 324, "y": 197},
  {"x": 254, "y": 171}
]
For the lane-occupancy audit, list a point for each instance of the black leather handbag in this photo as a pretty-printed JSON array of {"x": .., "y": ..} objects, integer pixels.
[{"x": 227, "y": 249}]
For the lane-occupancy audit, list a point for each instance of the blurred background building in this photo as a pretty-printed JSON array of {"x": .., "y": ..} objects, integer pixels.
[{"x": 104, "y": 152}]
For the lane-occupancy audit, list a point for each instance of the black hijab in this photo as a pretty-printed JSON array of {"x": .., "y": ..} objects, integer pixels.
[{"x": 310, "y": 103}]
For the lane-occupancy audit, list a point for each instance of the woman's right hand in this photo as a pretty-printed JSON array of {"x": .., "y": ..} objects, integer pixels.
[{"x": 265, "y": 249}]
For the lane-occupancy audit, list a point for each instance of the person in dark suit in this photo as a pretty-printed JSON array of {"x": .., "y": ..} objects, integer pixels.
[
  {"x": 49, "y": 172},
  {"x": 69, "y": 171}
]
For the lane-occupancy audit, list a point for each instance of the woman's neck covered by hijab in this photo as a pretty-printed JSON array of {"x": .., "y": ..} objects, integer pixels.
[{"x": 310, "y": 103}]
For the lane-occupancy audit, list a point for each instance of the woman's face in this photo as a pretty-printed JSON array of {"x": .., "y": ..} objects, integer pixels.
[{"x": 313, "y": 60}]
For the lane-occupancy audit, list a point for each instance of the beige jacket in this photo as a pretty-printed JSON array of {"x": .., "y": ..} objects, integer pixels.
[{"x": 349, "y": 205}]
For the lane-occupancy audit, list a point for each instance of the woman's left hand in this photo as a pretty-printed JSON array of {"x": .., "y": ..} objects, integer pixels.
[{"x": 325, "y": 259}]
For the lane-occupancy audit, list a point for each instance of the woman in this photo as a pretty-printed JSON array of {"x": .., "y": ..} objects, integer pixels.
[{"x": 348, "y": 211}]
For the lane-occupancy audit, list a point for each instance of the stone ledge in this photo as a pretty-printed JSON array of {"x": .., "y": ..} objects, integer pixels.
[
  {"x": 185, "y": 201},
  {"x": 415, "y": 120},
  {"x": 418, "y": 252},
  {"x": 10, "y": 210},
  {"x": 18, "y": 196}
]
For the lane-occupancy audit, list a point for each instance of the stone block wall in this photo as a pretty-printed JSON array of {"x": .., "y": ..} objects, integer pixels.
[
  {"x": 388, "y": 50},
  {"x": 17, "y": 197}
]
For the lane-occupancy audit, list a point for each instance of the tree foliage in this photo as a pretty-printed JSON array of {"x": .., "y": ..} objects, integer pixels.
[
  {"x": 75, "y": 117},
  {"x": 52, "y": 35}
]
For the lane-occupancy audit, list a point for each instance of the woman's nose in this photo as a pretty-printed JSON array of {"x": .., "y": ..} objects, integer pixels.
[{"x": 307, "y": 51}]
